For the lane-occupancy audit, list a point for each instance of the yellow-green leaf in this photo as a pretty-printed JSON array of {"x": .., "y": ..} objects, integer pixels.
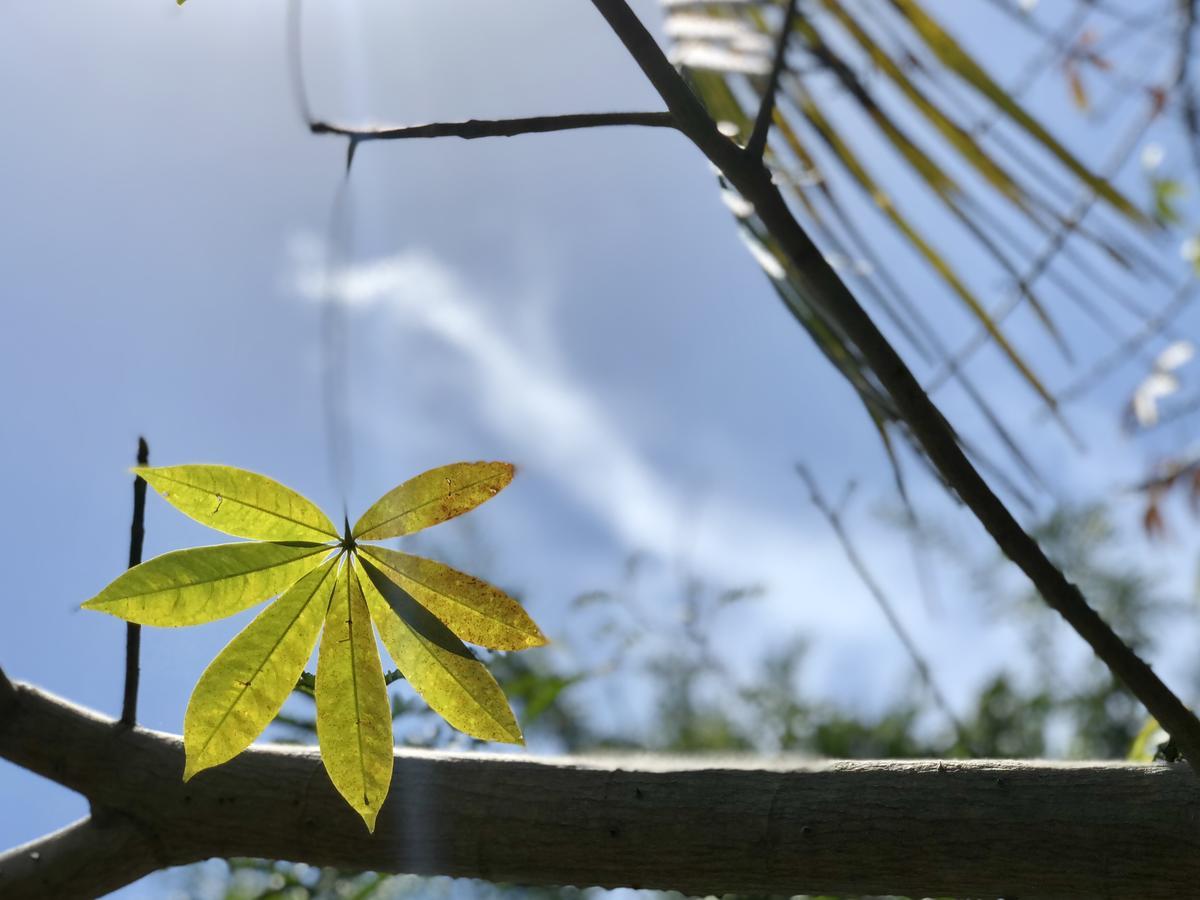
[
  {"x": 189, "y": 587},
  {"x": 433, "y": 497},
  {"x": 354, "y": 717},
  {"x": 244, "y": 504},
  {"x": 243, "y": 688},
  {"x": 436, "y": 663},
  {"x": 473, "y": 609}
]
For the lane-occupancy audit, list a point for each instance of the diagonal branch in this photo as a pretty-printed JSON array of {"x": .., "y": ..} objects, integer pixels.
[
  {"x": 697, "y": 826},
  {"x": 757, "y": 144},
  {"x": 481, "y": 128},
  {"x": 822, "y": 286}
]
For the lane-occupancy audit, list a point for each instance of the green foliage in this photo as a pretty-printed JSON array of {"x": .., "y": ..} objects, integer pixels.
[{"x": 420, "y": 607}]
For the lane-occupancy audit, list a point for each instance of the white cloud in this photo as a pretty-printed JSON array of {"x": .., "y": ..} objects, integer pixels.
[{"x": 524, "y": 394}]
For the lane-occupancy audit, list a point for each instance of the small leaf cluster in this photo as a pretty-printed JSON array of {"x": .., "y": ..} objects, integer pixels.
[{"x": 341, "y": 589}]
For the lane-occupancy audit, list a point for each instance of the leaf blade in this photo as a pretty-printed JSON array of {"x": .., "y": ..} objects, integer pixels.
[
  {"x": 246, "y": 684},
  {"x": 474, "y": 610},
  {"x": 241, "y": 503},
  {"x": 354, "y": 720},
  {"x": 438, "y": 666},
  {"x": 191, "y": 587},
  {"x": 434, "y": 496}
]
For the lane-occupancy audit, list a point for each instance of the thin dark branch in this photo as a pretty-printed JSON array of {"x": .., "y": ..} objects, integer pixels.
[
  {"x": 833, "y": 300},
  {"x": 481, "y": 128},
  {"x": 924, "y": 672},
  {"x": 757, "y": 144},
  {"x": 133, "y": 633}
]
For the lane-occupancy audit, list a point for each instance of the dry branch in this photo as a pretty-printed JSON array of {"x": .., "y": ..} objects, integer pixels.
[
  {"x": 699, "y": 826},
  {"x": 471, "y": 129}
]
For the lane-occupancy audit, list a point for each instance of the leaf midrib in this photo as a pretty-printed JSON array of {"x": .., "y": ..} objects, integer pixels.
[
  {"x": 332, "y": 532},
  {"x": 258, "y": 671},
  {"x": 491, "y": 618},
  {"x": 420, "y": 506},
  {"x": 425, "y": 645},
  {"x": 241, "y": 574}
]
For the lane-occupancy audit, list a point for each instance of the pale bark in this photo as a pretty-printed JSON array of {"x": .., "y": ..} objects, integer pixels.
[{"x": 979, "y": 829}]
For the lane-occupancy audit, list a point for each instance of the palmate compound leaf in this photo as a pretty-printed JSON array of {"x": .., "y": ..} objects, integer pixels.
[
  {"x": 432, "y": 497},
  {"x": 190, "y": 587},
  {"x": 330, "y": 583},
  {"x": 244, "y": 504},
  {"x": 354, "y": 716},
  {"x": 435, "y": 663},
  {"x": 244, "y": 687}
]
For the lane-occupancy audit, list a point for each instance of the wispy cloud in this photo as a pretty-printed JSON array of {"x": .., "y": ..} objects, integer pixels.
[{"x": 522, "y": 391}]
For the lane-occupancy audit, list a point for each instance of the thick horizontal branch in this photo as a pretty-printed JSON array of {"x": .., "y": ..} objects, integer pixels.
[
  {"x": 481, "y": 128},
  {"x": 701, "y": 827}
]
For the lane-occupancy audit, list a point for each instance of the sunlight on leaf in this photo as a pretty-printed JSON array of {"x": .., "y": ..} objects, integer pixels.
[
  {"x": 354, "y": 716},
  {"x": 240, "y": 503},
  {"x": 473, "y": 609},
  {"x": 190, "y": 587},
  {"x": 244, "y": 687},
  {"x": 437, "y": 664},
  {"x": 432, "y": 497},
  {"x": 421, "y": 608}
]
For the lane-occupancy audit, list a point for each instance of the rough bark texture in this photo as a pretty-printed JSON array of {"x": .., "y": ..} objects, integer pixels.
[{"x": 978, "y": 829}]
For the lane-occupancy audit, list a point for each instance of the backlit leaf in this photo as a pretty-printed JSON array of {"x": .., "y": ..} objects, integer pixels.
[
  {"x": 245, "y": 686},
  {"x": 354, "y": 717},
  {"x": 473, "y": 609},
  {"x": 189, "y": 587},
  {"x": 436, "y": 663},
  {"x": 433, "y": 497},
  {"x": 240, "y": 503}
]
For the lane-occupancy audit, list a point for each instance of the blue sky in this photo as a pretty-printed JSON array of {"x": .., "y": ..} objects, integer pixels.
[{"x": 577, "y": 303}]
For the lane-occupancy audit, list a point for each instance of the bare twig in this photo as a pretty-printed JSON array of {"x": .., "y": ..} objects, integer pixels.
[
  {"x": 757, "y": 145},
  {"x": 885, "y": 605},
  {"x": 822, "y": 285},
  {"x": 133, "y": 633},
  {"x": 481, "y": 128}
]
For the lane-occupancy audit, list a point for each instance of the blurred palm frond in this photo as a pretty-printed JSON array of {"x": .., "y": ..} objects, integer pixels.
[{"x": 907, "y": 160}]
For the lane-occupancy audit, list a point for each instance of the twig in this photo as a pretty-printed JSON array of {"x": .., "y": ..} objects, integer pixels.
[
  {"x": 757, "y": 144},
  {"x": 820, "y": 283},
  {"x": 481, "y": 128},
  {"x": 885, "y": 605},
  {"x": 133, "y": 633}
]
